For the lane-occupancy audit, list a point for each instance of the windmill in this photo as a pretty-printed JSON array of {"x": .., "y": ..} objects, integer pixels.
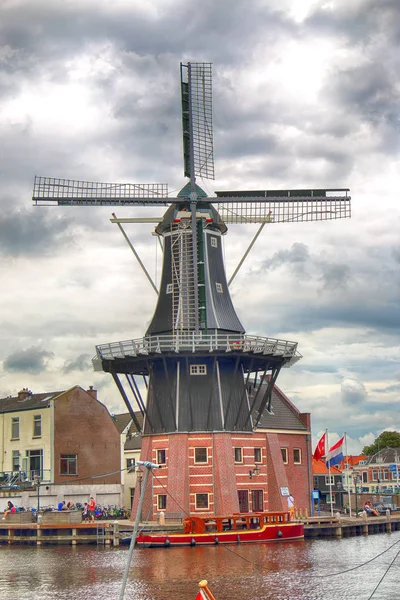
[{"x": 195, "y": 359}]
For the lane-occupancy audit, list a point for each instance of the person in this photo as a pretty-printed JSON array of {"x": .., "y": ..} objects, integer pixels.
[
  {"x": 10, "y": 509},
  {"x": 61, "y": 505},
  {"x": 371, "y": 512},
  {"x": 290, "y": 502},
  {"x": 92, "y": 508},
  {"x": 70, "y": 505},
  {"x": 85, "y": 513}
]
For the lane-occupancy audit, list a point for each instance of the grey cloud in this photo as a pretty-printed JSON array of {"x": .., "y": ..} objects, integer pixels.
[
  {"x": 24, "y": 232},
  {"x": 353, "y": 392},
  {"x": 297, "y": 257},
  {"x": 80, "y": 363},
  {"x": 335, "y": 276},
  {"x": 33, "y": 360}
]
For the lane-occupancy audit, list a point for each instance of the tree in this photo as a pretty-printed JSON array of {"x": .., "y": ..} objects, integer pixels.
[{"x": 387, "y": 439}]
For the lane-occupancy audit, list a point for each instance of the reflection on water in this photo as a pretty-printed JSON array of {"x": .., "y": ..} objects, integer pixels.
[{"x": 273, "y": 571}]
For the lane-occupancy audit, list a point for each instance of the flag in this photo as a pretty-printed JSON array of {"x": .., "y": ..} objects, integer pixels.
[
  {"x": 319, "y": 451},
  {"x": 201, "y": 595},
  {"x": 335, "y": 454}
]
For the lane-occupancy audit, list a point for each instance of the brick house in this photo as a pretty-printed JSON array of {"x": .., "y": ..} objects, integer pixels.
[
  {"x": 228, "y": 472},
  {"x": 328, "y": 483},
  {"x": 67, "y": 439}
]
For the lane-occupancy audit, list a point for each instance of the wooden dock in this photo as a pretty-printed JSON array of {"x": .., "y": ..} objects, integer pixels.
[
  {"x": 340, "y": 526},
  {"x": 100, "y": 532}
]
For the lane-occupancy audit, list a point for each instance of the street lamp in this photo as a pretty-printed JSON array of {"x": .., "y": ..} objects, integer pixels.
[
  {"x": 139, "y": 479},
  {"x": 339, "y": 487},
  {"x": 255, "y": 471},
  {"x": 37, "y": 483},
  {"x": 356, "y": 479}
]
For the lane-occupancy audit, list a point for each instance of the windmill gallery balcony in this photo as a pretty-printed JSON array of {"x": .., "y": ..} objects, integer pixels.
[{"x": 196, "y": 343}]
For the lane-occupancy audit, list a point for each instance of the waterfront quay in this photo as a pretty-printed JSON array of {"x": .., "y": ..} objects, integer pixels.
[{"x": 110, "y": 533}]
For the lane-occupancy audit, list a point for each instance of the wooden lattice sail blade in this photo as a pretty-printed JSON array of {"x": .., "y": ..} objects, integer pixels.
[
  {"x": 198, "y": 147},
  {"x": 283, "y": 206},
  {"x": 55, "y": 191}
]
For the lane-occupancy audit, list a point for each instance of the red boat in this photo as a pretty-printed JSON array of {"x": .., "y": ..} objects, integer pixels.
[{"x": 253, "y": 528}]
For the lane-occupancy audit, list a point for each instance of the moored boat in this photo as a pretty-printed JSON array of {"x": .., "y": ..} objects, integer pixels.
[{"x": 238, "y": 528}]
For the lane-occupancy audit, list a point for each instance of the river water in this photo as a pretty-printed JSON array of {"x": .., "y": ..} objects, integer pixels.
[{"x": 301, "y": 570}]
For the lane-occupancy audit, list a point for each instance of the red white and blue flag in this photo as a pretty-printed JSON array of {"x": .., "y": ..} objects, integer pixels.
[
  {"x": 335, "y": 454},
  {"x": 320, "y": 451}
]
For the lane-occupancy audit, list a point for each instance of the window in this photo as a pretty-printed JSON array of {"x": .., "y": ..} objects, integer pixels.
[
  {"x": 214, "y": 241},
  {"x": 243, "y": 497},
  {"x": 316, "y": 483},
  {"x": 365, "y": 477},
  {"x": 200, "y": 455},
  {"x": 297, "y": 456},
  {"x": 68, "y": 464},
  {"x": 238, "y": 455},
  {"x": 257, "y": 499},
  {"x": 162, "y": 501},
  {"x": 374, "y": 475},
  {"x": 15, "y": 428},
  {"x": 33, "y": 463},
  {"x": 329, "y": 480},
  {"x": 130, "y": 464},
  {"x": 198, "y": 369},
  {"x": 161, "y": 457},
  {"x": 257, "y": 455},
  {"x": 284, "y": 455},
  {"x": 37, "y": 426},
  {"x": 169, "y": 288},
  {"x": 16, "y": 465},
  {"x": 219, "y": 288},
  {"x": 201, "y": 501},
  {"x": 386, "y": 475}
]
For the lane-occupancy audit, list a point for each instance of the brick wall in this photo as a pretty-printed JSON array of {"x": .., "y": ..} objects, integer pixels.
[{"x": 83, "y": 426}]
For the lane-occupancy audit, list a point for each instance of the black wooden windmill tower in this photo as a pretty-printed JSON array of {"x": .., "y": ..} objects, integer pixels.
[{"x": 195, "y": 359}]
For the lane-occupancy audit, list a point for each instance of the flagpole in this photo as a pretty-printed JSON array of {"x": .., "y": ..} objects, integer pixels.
[
  {"x": 347, "y": 472},
  {"x": 329, "y": 475}
]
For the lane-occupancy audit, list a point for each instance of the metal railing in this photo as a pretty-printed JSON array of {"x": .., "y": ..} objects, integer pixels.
[
  {"x": 194, "y": 342},
  {"x": 20, "y": 479}
]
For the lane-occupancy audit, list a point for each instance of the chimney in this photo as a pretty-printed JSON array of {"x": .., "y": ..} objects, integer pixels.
[
  {"x": 92, "y": 392},
  {"x": 23, "y": 394}
]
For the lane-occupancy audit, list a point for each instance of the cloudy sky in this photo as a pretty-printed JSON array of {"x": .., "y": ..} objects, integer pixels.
[{"x": 306, "y": 94}]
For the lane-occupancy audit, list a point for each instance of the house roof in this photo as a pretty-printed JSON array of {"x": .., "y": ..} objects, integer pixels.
[
  {"x": 319, "y": 468},
  {"x": 386, "y": 455},
  {"x": 352, "y": 461},
  {"x": 30, "y": 401},
  {"x": 284, "y": 414},
  {"x": 121, "y": 421}
]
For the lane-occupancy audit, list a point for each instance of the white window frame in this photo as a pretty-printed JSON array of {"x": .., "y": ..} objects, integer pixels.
[
  {"x": 200, "y": 462},
  {"x": 219, "y": 288},
  {"x": 238, "y": 450},
  {"x": 15, "y": 424},
  {"x": 256, "y": 451},
  {"x": 286, "y": 457},
  {"x": 331, "y": 478},
  {"x": 297, "y": 462},
  {"x": 214, "y": 241},
  {"x": 169, "y": 288},
  {"x": 198, "y": 370},
  {"x": 37, "y": 421}
]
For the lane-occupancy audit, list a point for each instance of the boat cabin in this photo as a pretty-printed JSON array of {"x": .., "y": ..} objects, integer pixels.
[{"x": 234, "y": 523}]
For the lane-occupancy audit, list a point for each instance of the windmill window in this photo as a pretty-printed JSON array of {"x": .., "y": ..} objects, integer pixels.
[
  {"x": 214, "y": 242},
  {"x": 284, "y": 456},
  {"x": 219, "y": 288},
  {"x": 161, "y": 457},
  {"x": 238, "y": 455},
  {"x": 198, "y": 369},
  {"x": 297, "y": 456},
  {"x": 200, "y": 455},
  {"x": 162, "y": 501},
  {"x": 257, "y": 455},
  {"x": 169, "y": 288},
  {"x": 201, "y": 501}
]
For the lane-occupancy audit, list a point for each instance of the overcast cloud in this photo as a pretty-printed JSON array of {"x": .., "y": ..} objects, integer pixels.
[{"x": 305, "y": 94}]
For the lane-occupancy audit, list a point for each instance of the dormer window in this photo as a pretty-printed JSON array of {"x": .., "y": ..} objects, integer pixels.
[
  {"x": 219, "y": 288},
  {"x": 214, "y": 241},
  {"x": 169, "y": 288},
  {"x": 198, "y": 369}
]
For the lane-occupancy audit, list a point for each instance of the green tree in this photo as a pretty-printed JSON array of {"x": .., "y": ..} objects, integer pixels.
[{"x": 387, "y": 439}]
